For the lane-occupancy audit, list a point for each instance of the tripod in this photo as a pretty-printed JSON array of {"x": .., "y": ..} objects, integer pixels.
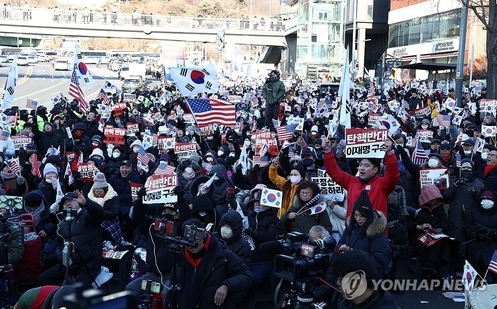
[{"x": 6, "y": 271}]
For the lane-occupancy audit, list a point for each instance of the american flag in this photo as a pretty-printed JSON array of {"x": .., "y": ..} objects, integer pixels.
[
  {"x": 143, "y": 159},
  {"x": 493, "y": 263},
  {"x": 419, "y": 156},
  {"x": 163, "y": 77},
  {"x": 103, "y": 96},
  {"x": 285, "y": 132},
  {"x": 14, "y": 165},
  {"x": 35, "y": 168},
  {"x": 371, "y": 90},
  {"x": 76, "y": 92},
  {"x": 256, "y": 160},
  {"x": 443, "y": 120},
  {"x": 164, "y": 169},
  {"x": 213, "y": 111}
]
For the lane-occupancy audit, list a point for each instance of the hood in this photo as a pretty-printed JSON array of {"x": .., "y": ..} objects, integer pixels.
[
  {"x": 39, "y": 194},
  {"x": 111, "y": 193},
  {"x": 79, "y": 126},
  {"x": 188, "y": 163},
  {"x": 377, "y": 227},
  {"x": 202, "y": 203},
  {"x": 196, "y": 183},
  {"x": 234, "y": 220},
  {"x": 430, "y": 193},
  {"x": 220, "y": 170}
]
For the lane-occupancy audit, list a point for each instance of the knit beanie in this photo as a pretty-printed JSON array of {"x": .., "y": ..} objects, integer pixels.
[
  {"x": 99, "y": 181},
  {"x": 363, "y": 203},
  {"x": 300, "y": 169},
  {"x": 32, "y": 200},
  {"x": 49, "y": 168}
]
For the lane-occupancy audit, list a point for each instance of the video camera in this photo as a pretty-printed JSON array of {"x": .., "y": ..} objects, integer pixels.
[
  {"x": 94, "y": 299},
  {"x": 301, "y": 259}
]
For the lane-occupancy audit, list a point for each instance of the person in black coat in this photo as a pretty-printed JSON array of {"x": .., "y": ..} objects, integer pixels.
[
  {"x": 210, "y": 275},
  {"x": 488, "y": 172},
  {"x": 160, "y": 259},
  {"x": 230, "y": 230},
  {"x": 114, "y": 162},
  {"x": 36, "y": 204},
  {"x": 82, "y": 229},
  {"x": 48, "y": 139},
  {"x": 80, "y": 142}
]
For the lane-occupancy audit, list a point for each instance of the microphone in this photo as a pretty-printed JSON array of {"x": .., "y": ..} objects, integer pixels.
[
  {"x": 270, "y": 245},
  {"x": 69, "y": 214}
]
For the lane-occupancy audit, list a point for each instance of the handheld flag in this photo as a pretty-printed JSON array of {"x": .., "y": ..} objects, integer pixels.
[
  {"x": 220, "y": 37},
  {"x": 143, "y": 159},
  {"x": 164, "y": 169},
  {"x": 76, "y": 92},
  {"x": 10, "y": 86},
  {"x": 32, "y": 104},
  {"x": 14, "y": 165},
  {"x": 194, "y": 80},
  {"x": 35, "y": 168},
  {"x": 212, "y": 111},
  {"x": 207, "y": 184},
  {"x": 82, "y": 70}
]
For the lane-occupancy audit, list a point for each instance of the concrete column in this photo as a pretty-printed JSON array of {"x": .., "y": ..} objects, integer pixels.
[{"x": 361, "y": 47}]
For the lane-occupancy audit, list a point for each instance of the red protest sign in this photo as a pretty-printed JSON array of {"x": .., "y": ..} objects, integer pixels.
[
  {"x": 114, "y": 135},
  {"x": 87, "y": 171}
]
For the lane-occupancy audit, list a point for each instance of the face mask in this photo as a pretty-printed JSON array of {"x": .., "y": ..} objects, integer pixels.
[
  {"x": 118, "y": 121},
  {"x": 308, "y": 162},
  {"x": 57, "y": 122},
  {"x": 226, "y": 232},
  {"x": 484, "y": 155},
  {"x": 466, "y": 174},
  {"x": 136, "y": 149},
  {"x": 188, "y": 170},
  {"x": 257, "y": 210},
  {"x": 487, "y": 204},
  {"x": 467, "y": 152},
  {"x": 202, "y": 213},
  {"x": 295, "y": 179},
  {"x": 247, "y": 143},
  {"x": 210, "y": 138},
  {"x": 216, "y": 178},
  {"x": 169, "y": 217},
  {"x": 314, "y": 133},
  {"x": 220, "y": 153},
  {"x": 432, "y": 163},
  {"x": 116, "y": 155},
  {"x": 187, "y": 132},
  {"x": 209, "y": 159},
  {"x": 424, "y": 127},
  {"x": 95, "y": 143}
]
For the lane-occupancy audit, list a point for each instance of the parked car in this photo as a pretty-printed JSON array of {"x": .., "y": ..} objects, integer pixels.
[{"x": 22, "y": 60}]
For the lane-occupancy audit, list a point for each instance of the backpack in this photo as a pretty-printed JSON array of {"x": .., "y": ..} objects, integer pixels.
[{"x": 396, "y": 222}]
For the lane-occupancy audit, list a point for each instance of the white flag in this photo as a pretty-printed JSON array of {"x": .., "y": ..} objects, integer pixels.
[
  {"x": 10, "y": 86},
  {"x": 82, "y": 70},
  {"x": 60, "y": 194},
  {"x": 220, "y": 37},
  {"x": 194, "y": 80},
  {"x": 344, "y": 93}
]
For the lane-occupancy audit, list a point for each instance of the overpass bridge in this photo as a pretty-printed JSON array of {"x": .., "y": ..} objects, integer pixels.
[{"x": 16, "y": 21}]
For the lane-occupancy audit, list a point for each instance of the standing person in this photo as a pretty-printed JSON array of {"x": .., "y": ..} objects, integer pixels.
[
  {"x": 210, "y": 275},
  {"x": 378, "y": 187},
  {"x": 83, "y": 231},
  {"x": 273, "y": 91}
]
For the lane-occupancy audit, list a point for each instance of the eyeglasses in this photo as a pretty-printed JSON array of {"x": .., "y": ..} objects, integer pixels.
[
  {"x": 306, "y": 192},
  {"x": 492, "y": 155}
]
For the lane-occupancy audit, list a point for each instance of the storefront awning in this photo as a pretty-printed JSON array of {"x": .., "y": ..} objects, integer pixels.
[{"x": 429, "y": 66}]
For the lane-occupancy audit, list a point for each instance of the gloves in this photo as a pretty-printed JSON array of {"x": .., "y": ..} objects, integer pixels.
[
  {"x": 482, "y": 229},
  {"x": 20, "y": 181},
  {"x": 230, "y": 191},
  {"x": 251, "y": 232},
  {"x": 54, "y": 208},
  {"x": 280, "y": 228},
  {"x": 180, "y": 193},
  {"x": 255, "y": 168},
  {"x": 141, "y": 193}
]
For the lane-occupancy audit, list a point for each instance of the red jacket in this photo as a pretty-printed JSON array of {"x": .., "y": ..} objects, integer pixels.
[{"x": 379, "y": 188}]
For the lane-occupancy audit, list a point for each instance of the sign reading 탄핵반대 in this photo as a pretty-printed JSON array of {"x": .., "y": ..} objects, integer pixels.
[
  {"x": 365, "y": 143},
  {"x": 160, "y": 189}
]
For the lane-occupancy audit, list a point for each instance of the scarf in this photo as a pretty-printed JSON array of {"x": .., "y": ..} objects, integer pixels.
[
  {"x": 36, "y": 213},
  {"x": 487, "y": 170},
  {"x": 101, "y": 200}
]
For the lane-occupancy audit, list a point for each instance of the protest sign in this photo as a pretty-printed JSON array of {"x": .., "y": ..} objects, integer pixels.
[
  {"x": 422, "y": 112},
  {"x": 434, "y": 176},
  {"x": 185, "y": 149},
  {"x": 425, "y": 136},
  {"x": 365, "y": 143},
  {"x": 132, "y": 128},
  {"x": 21, "y": 141},
  {"x": 135, "y": 187},
  {"x": 373, "y": 118},
  {"x": 160, "y": 189},
  {"x": 263, "y": 140},
  {"x": 114, "y": 136},
  {"x": 148, "y": 140},
  {"x": 87, "y": 171},
  {"x": 327, "y": 184}
]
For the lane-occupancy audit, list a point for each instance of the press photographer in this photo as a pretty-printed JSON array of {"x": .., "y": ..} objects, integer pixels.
[{"x": 272, "y": 91}]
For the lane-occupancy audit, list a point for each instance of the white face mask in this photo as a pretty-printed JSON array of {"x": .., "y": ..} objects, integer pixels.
[
  {"x": 220, "y": 153},
  {"x": 187, "y": 132},
  {"x": 424, "y": 126},
  {"x": 136, "y": 149},
  {"x": 467, "y": 152},
  {"x": 95, "y": 143},
  {"x": 188, "y": 170},
  {"x": 247, "y": 143},
  {"x": 116, "y": 155},
  {"x": 226, "y": 232},
  {"x": 487, "y": 204},
  {"x": 295, "y": 179},
  {"x": 484, "y": 155},
  {"x": 432, "y": 163}
]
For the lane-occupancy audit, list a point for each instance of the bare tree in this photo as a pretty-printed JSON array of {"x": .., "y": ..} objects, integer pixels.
[{"x": 486, "y": 12}]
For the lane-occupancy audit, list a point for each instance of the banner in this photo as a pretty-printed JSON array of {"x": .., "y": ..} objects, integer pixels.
[
  {"x": 114, "y": 135},
  {"x": 160, "y": 189},
  {"x": 21, "y": 141},
  {"x": 135, "y": 187},
  {"x": 132, "y": 128},
  {"x": 365, "y": 143},
  {"x": 434, "y": 176},
  {"x": 87, "y": 171},
  {"x": 185, "y": 149},
  {"x": 327, "y": 184}
]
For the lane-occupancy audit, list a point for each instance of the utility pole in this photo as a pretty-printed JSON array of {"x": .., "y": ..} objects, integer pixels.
[{"x": 460, "y": 55}]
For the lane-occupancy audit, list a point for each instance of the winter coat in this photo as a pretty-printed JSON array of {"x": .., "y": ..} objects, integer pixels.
[
  {"x": 220, "y": 187},
  {"x": 480, "y": 251},
  {"x": 49, "y": 193},
  {"x": 123, "y": 188},
  {"x": 48, "y": 140},
  {"x": 276, "y": 93},
  {"x": 14, "y": 241},
  {"x": 375, "y": 242},
  {"x": 236, "y": 243},
  {"x": 460, "y": 197},
  {"x": 378, "y": 187},
  {"x": 304, "y": 221},
  {"x": 379, "y": 300},
  {"x": 159, "y": 258},
  {"x": 113, "y": 166},
  {"x": 217, "y": 267},
  {"x": 43, "y": 222},
  {"x": 489, "y": 179},
  {"x": 85, "y": 234},
  {"x": 434, "y": 215},
  {"x": 263, "y": 223},
  {"x": 111, "y": 227},
  {"x": 289, "y": 190}
]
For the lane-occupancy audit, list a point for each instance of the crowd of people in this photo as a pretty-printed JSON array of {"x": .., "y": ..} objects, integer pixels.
[{"x": 378, "y": 218}]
